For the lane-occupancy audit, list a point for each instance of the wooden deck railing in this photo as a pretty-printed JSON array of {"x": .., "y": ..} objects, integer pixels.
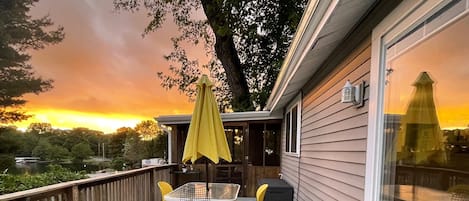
[
  {"x": 431, "y": 177},
  {"x": 133, "y": 185}
]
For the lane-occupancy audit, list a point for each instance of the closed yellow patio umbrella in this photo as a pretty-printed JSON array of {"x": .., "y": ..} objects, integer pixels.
[{"x": 206, "y": 136}]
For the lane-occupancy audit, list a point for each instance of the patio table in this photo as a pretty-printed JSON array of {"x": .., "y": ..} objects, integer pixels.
[{"x": 197, "y": 191}]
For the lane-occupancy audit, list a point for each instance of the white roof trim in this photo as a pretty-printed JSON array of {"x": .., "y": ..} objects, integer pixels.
[
  {"x": 226, "y": 117},
  {"x": 300, "y": 46}
]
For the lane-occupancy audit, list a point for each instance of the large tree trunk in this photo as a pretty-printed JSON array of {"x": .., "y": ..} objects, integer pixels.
[{"x": 227, "y": 54}]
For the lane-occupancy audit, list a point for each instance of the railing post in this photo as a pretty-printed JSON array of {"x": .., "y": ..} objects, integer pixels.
[
  {"x": 75, "y": 193},
  {"x": 152, "y": 184}
]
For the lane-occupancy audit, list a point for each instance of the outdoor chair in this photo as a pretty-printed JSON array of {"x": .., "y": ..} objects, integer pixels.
[
  {"x": 260, "y": 194},
  {"x": 165, "y": 188}
]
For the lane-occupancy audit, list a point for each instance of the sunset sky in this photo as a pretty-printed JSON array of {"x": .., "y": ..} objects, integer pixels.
[{"x": 104, "y": 72}]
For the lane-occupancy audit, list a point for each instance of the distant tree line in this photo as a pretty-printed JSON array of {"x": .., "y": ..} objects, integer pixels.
[{"x": 126, "y": 147}]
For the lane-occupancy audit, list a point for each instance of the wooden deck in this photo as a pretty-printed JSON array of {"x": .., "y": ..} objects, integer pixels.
[{"x": 133, "y": 185}]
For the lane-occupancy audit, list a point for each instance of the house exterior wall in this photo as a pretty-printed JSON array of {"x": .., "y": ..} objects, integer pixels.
[
  {"x": 331, "y": 165},
  {"x": 289, "y": 165}
]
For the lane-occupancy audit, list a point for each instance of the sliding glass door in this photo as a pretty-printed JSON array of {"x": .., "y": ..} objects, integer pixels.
[{"x": 426, "y": 108}]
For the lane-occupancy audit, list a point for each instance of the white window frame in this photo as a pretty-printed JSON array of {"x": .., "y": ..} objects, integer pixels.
[
  {"x": 402, "y": 19},
  {"x": 296, "y": 102}
]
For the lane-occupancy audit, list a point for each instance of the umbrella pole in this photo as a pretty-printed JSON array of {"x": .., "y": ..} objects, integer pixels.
[
  {"x": 414, "y": 180},
  {"x": 206, "y": 175}
]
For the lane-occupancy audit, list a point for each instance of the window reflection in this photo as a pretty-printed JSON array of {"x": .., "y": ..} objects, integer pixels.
[
  {"x": 264, "y": 146},
  {"x": 427, "y": 115},
  {"x": 235, "y": 139}
]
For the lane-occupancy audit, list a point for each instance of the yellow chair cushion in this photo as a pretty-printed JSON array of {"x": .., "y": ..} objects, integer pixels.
[
  {"x": 165, "y": 188},
  {"x": 260, "y": 194}
]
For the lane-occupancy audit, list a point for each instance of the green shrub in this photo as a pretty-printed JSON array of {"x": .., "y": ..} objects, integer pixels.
[
  {"x": 118, "y": 163},
  {"x": 55, "y": 174},
  {"x": 6, "y": 161}
]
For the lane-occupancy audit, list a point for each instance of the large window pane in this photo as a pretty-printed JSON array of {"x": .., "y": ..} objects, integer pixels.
[
  {"x": 427, "y": 112},
  {"x": 235, "y": 139},
  {"x": 266, "y": 147},
  {"x": 272, "y": 152}
]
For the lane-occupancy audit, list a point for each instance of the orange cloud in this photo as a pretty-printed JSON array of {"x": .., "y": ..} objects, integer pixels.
[{"x": 103, "y": 69}]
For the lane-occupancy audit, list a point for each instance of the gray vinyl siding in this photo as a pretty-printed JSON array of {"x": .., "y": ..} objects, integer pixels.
[
  {"x": 289, "y": 165},
  {"x": 333, "y": 137}
]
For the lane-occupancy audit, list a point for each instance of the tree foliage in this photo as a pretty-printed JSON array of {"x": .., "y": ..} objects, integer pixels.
[
  {"x": 7, "y": 140},
  {"x": 86, "y": 135},
  {"x": 133, "y": 151},
  {"x": 117, "y": 141},
  {"x": 39, "y": 127},
  {"x": 147, "y": 129},
  {"x": 157, "y": 147},
  {"x": 50, "y": 152},
  {"x": 8, "y": 146},
  {"x": 81, "y": 151},
  {"x": 19, "y": 33},
  {"x": 246, "y": 41}
]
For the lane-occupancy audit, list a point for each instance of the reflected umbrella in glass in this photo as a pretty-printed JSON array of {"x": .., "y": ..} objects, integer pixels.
[{"x": 420, "y": 140}]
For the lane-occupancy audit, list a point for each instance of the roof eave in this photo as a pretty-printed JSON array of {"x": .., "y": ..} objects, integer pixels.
[
  {"x": 226, "y": 117},
  {"x": 314, "y": 18}
]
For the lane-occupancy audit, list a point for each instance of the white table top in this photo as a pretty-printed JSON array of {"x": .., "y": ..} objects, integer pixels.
[{"x": 197, "y": 191}]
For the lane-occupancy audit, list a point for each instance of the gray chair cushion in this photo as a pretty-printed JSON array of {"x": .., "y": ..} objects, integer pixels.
[{"x": 246, "y": 199}]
